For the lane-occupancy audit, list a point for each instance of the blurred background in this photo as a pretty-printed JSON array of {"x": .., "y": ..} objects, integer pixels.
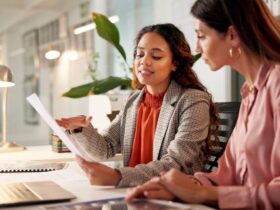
[{"x": 29, "y": 29}]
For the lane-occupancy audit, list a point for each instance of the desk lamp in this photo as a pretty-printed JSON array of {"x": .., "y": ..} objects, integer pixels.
[{"x": 6, "y": 80}]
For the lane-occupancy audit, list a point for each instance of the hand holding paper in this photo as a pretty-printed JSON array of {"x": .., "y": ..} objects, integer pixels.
[
  {"x": 73, "y": 123},
  {"x": 72, "y": 146}
]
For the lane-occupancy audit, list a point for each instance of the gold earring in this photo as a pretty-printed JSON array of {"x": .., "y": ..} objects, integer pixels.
[{"x": 231, "y": 52}]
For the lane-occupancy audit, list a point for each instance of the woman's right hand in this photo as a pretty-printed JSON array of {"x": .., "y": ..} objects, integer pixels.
[{"x": 74, "y": 122}]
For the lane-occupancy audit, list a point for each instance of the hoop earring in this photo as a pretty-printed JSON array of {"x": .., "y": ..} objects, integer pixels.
[{"x": 231, "y": 52}]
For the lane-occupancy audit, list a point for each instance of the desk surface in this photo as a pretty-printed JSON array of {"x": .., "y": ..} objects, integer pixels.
[
  {"x": 71, "y": 178},
  {"x": 43, "y": 152},
  {"x": 37, "y": 153}
]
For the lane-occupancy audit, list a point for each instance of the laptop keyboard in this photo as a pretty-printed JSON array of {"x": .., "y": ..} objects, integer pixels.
[{"x": 16, "y": 192}]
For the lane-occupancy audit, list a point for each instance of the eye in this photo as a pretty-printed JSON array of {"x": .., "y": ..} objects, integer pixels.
[
  {"x": 139, "y": 55},
  {"x": 156, "y": 57},
  {"x": 200, "y": 37}
]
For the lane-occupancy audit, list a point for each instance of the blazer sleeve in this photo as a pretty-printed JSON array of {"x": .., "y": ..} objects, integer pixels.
[
  {"x": 101, "y": 146},
  {"x": 97, "y": 146},
  {"x": 193, "y": 114}
]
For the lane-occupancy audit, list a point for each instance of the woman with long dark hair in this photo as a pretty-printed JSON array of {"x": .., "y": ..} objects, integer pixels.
[
  {"x": 246, "y": 36},
  {"x": 165, "y": 124}
]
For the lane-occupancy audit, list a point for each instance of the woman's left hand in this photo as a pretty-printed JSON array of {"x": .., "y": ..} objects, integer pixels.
[
  {"x": 151, "y": 189},
  {"x": 98, "y": 173},
  {"x": 188, "y": 188}
]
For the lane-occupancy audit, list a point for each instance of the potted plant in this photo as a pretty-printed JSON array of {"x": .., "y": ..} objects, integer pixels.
[{"x": 110, "y": 33}]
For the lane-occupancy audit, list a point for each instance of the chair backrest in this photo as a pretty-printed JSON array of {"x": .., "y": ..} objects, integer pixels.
[{"x": 228, "y": 114}]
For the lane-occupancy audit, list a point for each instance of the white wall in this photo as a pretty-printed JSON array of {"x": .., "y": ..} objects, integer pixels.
[
  {"x": 178, "y": 12},
  {"x": 218, "y": 83},
  {"x": 17, "y": 129},
  {"x": 59, "y": 77},
  {"x": 68, "y": 74}
]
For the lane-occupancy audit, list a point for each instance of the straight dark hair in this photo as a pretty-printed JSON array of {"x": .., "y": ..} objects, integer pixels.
[{"x": 257, "y": 28}]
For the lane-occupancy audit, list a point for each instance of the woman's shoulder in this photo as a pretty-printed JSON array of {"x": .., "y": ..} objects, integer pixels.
[
  {"x": 275, "y": 73},
  {"x": 273, "y": 86},
  {"x": 274, "y": 77},
  {"x": 195, "y": 94},
  {"x": 188, "y": 92},
  {"x": 190, "y": 96}
]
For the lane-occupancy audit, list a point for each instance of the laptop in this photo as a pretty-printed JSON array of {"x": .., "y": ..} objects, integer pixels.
[{"x": 13, "y": 194}]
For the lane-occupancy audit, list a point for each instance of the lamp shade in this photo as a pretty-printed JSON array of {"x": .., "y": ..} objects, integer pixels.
[{"x": 6, "y": 77}]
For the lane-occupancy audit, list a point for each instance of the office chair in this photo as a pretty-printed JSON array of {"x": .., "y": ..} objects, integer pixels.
[{"x": 228, "y": 114}]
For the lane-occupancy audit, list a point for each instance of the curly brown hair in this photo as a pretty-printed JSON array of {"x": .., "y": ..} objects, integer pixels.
[{"x": 184, "y": 74}]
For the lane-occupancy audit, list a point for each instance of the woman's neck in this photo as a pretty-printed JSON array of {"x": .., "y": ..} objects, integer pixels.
[
  {"x": 249, "y": 67},
  {"x": 157, "y": 89}
]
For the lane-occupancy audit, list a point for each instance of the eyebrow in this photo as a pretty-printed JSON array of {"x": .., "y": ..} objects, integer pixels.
[{"x": 153, "y": 49}]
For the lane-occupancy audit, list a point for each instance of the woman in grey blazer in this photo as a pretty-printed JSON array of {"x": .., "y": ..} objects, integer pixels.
[{"x": 181, "y": 129}]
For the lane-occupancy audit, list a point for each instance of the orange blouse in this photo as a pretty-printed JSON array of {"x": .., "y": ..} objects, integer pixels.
[{"x": 147, "y": 117}]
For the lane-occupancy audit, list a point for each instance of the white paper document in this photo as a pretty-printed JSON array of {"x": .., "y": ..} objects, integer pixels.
[{"x": 39, "y": 107}]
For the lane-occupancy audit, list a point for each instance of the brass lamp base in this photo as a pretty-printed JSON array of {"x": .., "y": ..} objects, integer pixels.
[{"x": 10, "y": 147}]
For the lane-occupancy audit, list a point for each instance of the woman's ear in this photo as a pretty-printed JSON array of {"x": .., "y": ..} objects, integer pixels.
[
  {"x": 233, "y": 36},
  {"x": 174, "y": 65}
]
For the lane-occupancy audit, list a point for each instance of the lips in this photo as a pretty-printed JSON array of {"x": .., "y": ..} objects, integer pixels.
[
  {"x": 145, "y": 72},
  {"x": 205, "y": 60}
]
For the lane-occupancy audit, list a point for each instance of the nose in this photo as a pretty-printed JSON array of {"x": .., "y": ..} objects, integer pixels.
[
  {"x": 197, "y": 47},
  {"x": 146, "y": 61}
]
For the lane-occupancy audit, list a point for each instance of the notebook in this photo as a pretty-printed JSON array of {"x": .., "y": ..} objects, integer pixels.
[
  {"x": 13, "y": 194},
  {"x": 30, "y": 166}
]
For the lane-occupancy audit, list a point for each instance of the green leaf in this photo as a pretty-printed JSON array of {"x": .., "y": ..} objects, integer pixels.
[
  {"x": 197, "y": 56},
  {"x": 108, "y": 31},
  {"x": 104, "y": 85},
  {"x": 79, "y": 91},
  {"x": 98, "y": 87}
]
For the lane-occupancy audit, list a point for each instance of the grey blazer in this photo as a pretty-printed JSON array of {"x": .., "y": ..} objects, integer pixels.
[{"x": 180, "y": 134}]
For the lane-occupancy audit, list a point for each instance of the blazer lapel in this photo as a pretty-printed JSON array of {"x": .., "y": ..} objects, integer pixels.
[
  {"x": 166, "y": 111},
  {"x": 130, "y": 127}
]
